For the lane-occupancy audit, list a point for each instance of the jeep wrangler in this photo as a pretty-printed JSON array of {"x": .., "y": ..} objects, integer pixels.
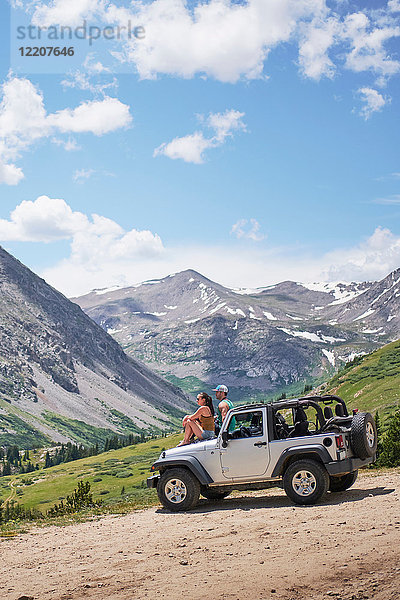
[{"x": 306, "y": 445}]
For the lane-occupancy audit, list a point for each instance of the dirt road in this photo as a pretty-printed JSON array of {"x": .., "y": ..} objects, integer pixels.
[{"x": 257, "y": 547}]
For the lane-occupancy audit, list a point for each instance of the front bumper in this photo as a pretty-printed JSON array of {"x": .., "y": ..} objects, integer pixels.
[
  {"x": 348, "y": 465},
  {"x": 153, "y": 480}
]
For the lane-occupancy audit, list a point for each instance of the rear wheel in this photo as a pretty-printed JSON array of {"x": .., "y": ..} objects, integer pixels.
[
  {"x": 363, "y": 435},
  {"x": 211, "y": 494},
  {"x": 305, "y": 481},
  {"x": 342, "y": 482},
  {"x": 178, "y": 489}
]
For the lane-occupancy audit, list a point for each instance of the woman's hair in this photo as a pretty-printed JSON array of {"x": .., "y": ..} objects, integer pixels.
[{"x": 208, "y": 400}]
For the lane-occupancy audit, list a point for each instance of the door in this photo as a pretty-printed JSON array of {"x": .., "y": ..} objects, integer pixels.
[{"x": 247, "y": 452}]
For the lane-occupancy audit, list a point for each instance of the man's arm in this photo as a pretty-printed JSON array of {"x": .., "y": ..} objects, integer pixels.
[{"x": 223, "y": 408}]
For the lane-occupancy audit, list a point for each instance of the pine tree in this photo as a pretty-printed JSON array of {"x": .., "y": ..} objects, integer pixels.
[
  {"x": 48, "y": 462},
  {"x": 390, "y": 456}
]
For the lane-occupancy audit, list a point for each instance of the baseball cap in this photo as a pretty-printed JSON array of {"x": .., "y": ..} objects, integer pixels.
[{"x": 221, "y": 388}]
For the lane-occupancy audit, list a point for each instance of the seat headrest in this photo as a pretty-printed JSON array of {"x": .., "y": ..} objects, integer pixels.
[
  {"x": 300, "y": 415},
  {"x": 328, "y": 414},
  {"x": 339, "y": 411}
]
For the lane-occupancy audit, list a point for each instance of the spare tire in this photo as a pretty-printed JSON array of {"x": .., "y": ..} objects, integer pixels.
[{"x": 363, "y": 435}]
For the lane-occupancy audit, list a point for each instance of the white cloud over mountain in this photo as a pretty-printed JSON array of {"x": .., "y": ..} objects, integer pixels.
[
  {"x": 191, "y": 148},
  {"x": 24, "y": 120},
  {"x": 103, "y": 254}
]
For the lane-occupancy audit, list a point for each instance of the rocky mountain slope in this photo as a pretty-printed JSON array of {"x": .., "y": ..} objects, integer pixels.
[
  {"x": 259, "y": 342},
  {"x": 62, "y": 377}
]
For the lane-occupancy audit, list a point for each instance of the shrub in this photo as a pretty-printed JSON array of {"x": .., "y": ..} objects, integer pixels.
[
  {"x": 390, "y": 455},
  {"x": 80, "y": 498}
]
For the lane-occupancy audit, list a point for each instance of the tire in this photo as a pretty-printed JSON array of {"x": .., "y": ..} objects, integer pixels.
[
  {"x": 305, "y": 481},
  {"x": 363, "y": 435},
  {"x": 343, "y": 482},
  {"x": 178, "y": 489},
  {"x": 211, "y": 494}
]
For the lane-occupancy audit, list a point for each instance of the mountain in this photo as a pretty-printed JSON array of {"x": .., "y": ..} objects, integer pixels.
[
  {"x": 260, "y": 342},
  {"x": 62, "y": 377},
  {"x": 370, "y": 382}
]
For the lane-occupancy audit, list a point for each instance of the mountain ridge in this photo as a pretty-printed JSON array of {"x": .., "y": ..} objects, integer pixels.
[
  {"x": 56, "y": 362},
  {"x": 262, "y": 341}
]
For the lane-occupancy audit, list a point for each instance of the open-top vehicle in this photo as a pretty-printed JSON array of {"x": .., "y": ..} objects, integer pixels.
[{"x": 306, "y": 445}]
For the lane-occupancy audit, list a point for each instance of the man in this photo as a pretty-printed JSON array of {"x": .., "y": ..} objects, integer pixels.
[{"x": 224, "y": 405}]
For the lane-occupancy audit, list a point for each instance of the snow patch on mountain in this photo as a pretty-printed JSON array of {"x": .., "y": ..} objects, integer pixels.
[
  {"x": 367, "y": 313},
  {"x": 102, "y": 291},
  {"x": 234, "y": 311},
  {"x": 269, "y": 316},
  {"x": 251, "y": 291},
  {"x": 313, "y": 337},
  {"x": 330, "y": 356},
  {"x": 341, "y": 291}
]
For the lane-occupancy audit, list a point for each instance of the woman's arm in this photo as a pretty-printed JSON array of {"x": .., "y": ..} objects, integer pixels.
[{"x": 202, "y": 410}]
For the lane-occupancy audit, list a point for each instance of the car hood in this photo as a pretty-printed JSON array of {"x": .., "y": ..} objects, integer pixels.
[{"x": 189, "y": 449}]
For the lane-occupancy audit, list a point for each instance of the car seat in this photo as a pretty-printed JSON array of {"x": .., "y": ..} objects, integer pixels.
[
  {"x": 328, "y": 414},
  {"x": 300, "y": 423},
  {"x": 339, "y": 412}
]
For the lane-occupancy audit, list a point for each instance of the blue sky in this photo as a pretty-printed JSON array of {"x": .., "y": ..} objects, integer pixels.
[{"x": 252, "y": 156}]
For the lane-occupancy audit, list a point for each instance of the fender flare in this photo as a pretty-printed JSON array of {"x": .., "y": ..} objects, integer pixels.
[
  {"x": 191, "y": 463},
  {"x": 313, "y": 450}
]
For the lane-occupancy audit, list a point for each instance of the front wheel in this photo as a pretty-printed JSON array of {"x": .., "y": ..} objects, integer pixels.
[
  {"x": 305, "y": 481},
  {"x": 178, "y": 489},
  {"x": 342, "y": 482}
]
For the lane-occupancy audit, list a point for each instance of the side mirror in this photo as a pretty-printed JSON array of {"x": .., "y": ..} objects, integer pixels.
[{"x": 224, "y": 439}]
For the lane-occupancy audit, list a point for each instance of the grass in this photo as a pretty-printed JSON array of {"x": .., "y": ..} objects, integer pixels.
[
  {"x": 107, "y": 473},
  {"x": 371, "y": 382},
  {"x": 81, "y": 432},
  {"x": 15, "y": 431}
]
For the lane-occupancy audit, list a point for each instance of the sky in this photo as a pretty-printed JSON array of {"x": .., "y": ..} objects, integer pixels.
[{"x": 253, "y": 141}]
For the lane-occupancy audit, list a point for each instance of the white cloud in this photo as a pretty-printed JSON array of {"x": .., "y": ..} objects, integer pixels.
[
  {"x": 248, "y": 229},
  {"x": 10, "y": 174},
  {"x": 24, "y": 120},
  {"x": 80, "y": 175},
  {"x": 89, "y": 80},
  {"x": 229, "y": 40},
  {"x": 373, "y": 102},
  {"x": 102, "y": 253},
  {"x": 97, "y": 243},
  {"x": 374, "y": 258},
  {"x": 67, "y": 12},
  {"x": 44, "y": 220},
  {"x": 367, "y": 40},
  {"x": 191, "y": 148},
  {"x": 69, "y": 145},
  {"x": 317, "y": 37},
  {"x": 97, "y": 117},
  {"x": 391, "y": 200}
]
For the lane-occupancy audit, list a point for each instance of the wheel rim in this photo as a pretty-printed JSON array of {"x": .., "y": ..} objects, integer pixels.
[
  {"x": 370, "y": 433},
  {"x": 304, "y": 483},
  {"x": 175, "y": 491}
]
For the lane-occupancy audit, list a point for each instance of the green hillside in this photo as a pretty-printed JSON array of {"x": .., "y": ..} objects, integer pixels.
[
  {"x": 370, "y": 382},
  {"x": 107, "y": 474}
]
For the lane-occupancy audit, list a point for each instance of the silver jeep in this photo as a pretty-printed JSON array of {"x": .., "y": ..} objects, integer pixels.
[{"x": 306, "y": 445}]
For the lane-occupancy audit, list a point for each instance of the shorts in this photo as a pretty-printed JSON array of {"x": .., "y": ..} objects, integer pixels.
[{"x": 207, "y": 435}]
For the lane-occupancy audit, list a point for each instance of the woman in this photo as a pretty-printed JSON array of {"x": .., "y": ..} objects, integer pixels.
[{"x": 200, "y": 423}]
